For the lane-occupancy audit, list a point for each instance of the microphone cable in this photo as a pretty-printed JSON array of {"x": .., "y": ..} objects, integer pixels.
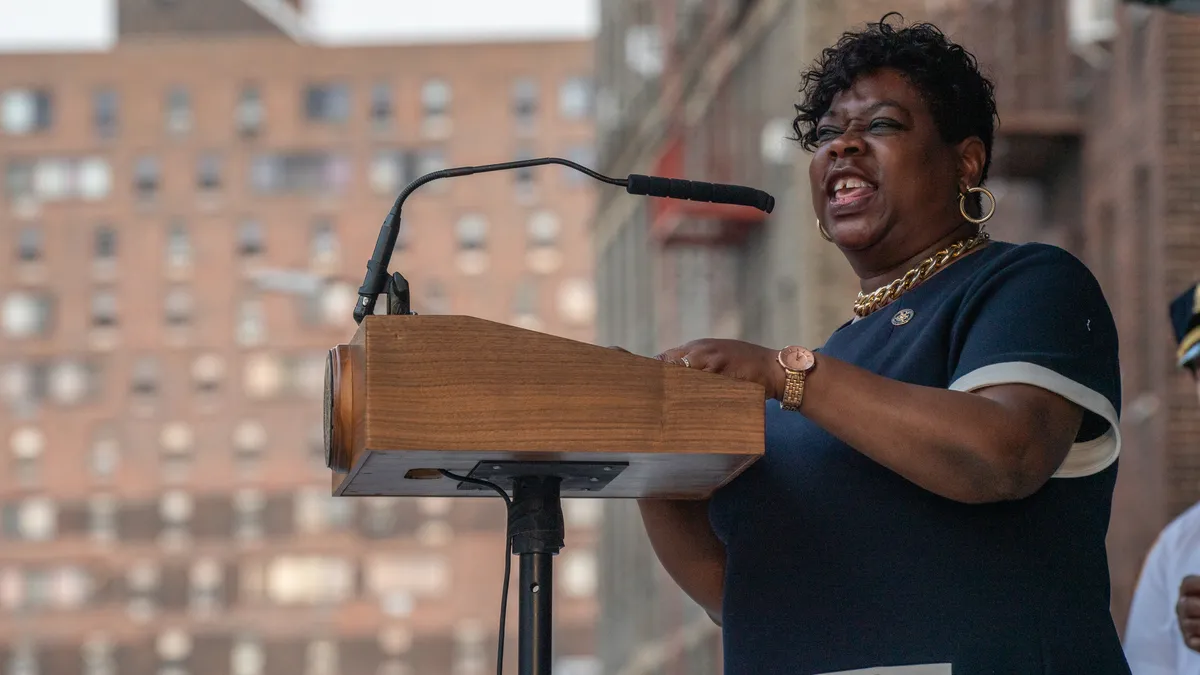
[{"x": 507, "y": 557}]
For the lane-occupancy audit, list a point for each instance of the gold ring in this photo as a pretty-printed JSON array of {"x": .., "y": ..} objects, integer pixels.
[{"x": 686, "y": 363}]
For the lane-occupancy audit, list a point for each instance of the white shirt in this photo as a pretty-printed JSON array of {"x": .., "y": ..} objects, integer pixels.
[{"x": 1153, "y": 642}]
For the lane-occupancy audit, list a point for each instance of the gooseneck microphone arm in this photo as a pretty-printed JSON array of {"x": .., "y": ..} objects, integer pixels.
[{"x": 376, "y": 279}]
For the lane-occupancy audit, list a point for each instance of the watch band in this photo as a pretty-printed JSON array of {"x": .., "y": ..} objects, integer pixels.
[{"x": 793, "y": 390}]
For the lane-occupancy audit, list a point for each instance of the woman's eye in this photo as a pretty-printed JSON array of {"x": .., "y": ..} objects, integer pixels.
[
  {"x": 826, "y": 133},
  {"x": 884, "y": 125}
]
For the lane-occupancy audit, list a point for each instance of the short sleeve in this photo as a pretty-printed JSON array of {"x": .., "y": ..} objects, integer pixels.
[{"x": 1037, "y": 316}]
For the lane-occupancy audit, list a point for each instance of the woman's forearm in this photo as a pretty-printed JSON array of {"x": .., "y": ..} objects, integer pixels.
[
  {"x": 963, "y": 446},
  {"x": 688, "y": 549}
]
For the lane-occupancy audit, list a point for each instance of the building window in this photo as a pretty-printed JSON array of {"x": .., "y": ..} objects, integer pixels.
[
  {"x": 332, "y": 305},
  {"x": 179, "y": 245},
  {"x": 26, "y": 111},
  {"x": 299, "y": 173},
  {"x": 52, "y": 179},
  {"x": 250, "y": 114},
  {"x": 248, "y": 507},
  {"x": 525, "y": 176},
  {"x": 23, "y": 660},
  {"x": 177, "y": 444},
  {"x": 175, "y": 509},
  {"x": 430, "y": 160},
  {"x": 142, "y": 583},
  {"x": 471, "y": 232},
  {"x": 206, "y": 577},
  {"x": 323, "y": 247},
  {"x": 247, "y": 658},
  {"x": 104, "y": 308},
  {"x": 321, "y": 658},
  {"x": 94, "y": 179},
  {"x": 262, "y": 376},
  {"x": 179, "y": 111},
  {"x": 173, "y": 647},
  {"x": 144, "y": 381},
  {"x": 178, "y": 306},
  {"x": 316, "y": 512},
  {"x": 98, "y": 658},
  {"x": 27, "y": 445},
  {"x": 327, "y": 103},
  {"x": 208, "y": 172},
  {"x": 37, "y": 519},
  {"x": 525, "y": 101},
  {"x": 381, "y": 105},
  {"x": 435, "y": 99},
  {"x": 18, "y": 178},
  {"x": 579, "y": 573},
  {"x": 146, "y": 177},
  {"x": 309, "y": 580},
  {"x": 105, "y": 243},
  {"x": 389, "y": 171},
  {"x": 249, "y": 441},
  {"x": 69, "y": 382},
  {"x": 575, "y": 98},
  {"x": 252, "y": 322},
  {"x": 251, "y": 239},
  {"x": 543, "y": 229},
  {"x": 102, "y": 518},
  {"x": 105, "y": 455},
  {"x": 26, "y": 314},
  {"x": 30, "y": 244},
  {"x": 105, "y": 113},
  {"x": 584, "y": 155},
  {"x": 525, "y": 305},
  {"x": 207, "y": 371}
]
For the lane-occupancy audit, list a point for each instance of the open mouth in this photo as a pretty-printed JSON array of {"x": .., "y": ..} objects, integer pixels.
[{"x": 848, "y": 190}]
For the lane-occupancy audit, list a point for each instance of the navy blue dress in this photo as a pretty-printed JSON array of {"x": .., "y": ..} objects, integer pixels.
[{"x": 835, "y": 563}]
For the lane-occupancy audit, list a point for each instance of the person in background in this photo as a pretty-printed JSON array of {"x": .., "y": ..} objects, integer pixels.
[{"x": 1162, "y": 636}]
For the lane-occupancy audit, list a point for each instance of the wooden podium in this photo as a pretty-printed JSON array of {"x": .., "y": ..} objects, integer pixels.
[
  {"x": 411, "y": 398},
  {"x": 413, "y": 394}
]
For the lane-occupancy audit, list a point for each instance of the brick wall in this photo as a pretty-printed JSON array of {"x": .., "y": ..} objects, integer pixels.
[{"x": 1142, "y": 215}]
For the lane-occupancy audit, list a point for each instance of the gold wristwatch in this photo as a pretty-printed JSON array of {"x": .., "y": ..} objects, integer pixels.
[{"x": 797, "y": 362}]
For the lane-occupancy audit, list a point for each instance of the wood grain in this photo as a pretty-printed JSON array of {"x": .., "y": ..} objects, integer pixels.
[{"x": 450, "y": 391}]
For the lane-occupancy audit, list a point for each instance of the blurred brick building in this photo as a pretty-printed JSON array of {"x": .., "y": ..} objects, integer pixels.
[
  {"x": 185, "y": 219},
  {"x": 1096, "y": 152}
]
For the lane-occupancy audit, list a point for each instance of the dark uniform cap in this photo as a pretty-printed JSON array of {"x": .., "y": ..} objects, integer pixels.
[{"x": 1185, "y": 319}]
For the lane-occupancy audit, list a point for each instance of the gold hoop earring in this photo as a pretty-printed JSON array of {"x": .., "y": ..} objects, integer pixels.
[
  {"x": 962, "y": 205},
  {"x": 823, "y": 231}
]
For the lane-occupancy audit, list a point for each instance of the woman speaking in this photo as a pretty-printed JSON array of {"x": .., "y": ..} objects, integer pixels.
[{"x": 938, "y": 475}]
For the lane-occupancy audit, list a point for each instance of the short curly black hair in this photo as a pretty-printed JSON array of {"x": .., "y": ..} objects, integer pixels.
[{"x": 959, "y": 96}]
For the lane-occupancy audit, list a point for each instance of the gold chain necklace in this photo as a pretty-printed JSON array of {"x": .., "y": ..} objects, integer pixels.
[{"x": 882, "y": 297}]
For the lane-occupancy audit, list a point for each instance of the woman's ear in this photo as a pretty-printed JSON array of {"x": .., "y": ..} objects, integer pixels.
[{"x": 971, "y": 157}]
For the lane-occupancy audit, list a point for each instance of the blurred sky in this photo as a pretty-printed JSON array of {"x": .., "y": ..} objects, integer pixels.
[{"x": 55, "y": 25}]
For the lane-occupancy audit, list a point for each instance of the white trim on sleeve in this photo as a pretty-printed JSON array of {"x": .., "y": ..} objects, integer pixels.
[{"x": 1084, "y": 459}]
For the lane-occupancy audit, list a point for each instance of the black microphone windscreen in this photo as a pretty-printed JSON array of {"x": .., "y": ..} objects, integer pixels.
[{"x": 698, "y": 191}]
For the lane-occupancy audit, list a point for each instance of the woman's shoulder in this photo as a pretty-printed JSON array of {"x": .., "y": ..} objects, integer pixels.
[
  {"x": 1035, "y": 256},
  {"x": 1034, "y": 264}
]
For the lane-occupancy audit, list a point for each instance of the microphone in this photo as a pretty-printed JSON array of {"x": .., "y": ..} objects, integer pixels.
[
  {"x": 696, "y": 191},
  {"x": 376, "y": 280}
]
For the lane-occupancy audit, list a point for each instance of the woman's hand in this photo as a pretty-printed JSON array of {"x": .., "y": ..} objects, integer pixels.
[
  {"x": 1188, "y": 609},
  {"x": 732, "y": 358}
]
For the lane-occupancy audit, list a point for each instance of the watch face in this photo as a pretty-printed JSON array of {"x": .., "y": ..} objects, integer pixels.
[{"x": 796, "y": 358}]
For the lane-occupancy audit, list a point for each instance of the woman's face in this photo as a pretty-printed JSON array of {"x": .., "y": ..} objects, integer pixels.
[{"x": 881, "y": 173}]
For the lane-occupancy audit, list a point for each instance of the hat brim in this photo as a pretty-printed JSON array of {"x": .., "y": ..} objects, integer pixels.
[{"x": 1189, "y": 348}]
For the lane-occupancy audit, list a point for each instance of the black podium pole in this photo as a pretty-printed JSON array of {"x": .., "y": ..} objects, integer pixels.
[
  {"x": 536, "y": 532},
  {"x": 535, "y": 524}
]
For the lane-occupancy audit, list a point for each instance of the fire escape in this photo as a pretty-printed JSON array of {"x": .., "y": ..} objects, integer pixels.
[{"x": 704, "y": 130}]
